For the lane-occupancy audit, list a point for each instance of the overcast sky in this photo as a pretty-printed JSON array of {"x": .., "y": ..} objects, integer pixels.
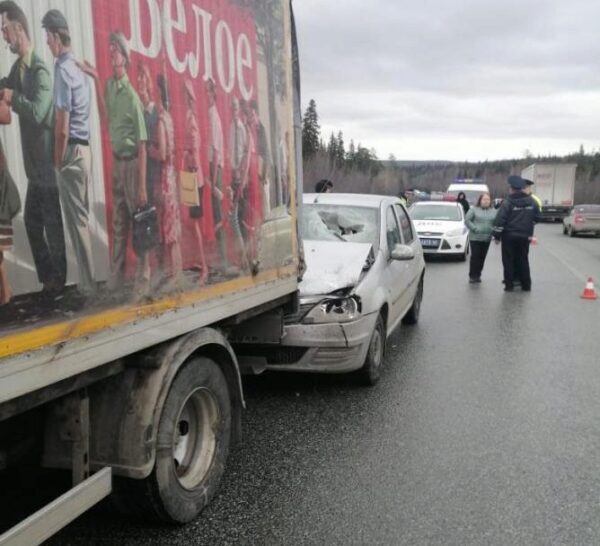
[{"x": 454, "y": 79}]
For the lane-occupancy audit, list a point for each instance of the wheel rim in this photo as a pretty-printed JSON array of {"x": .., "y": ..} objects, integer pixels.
[
  {"x": 195, "y": 438},
  {"x": 376, "y": 348}
]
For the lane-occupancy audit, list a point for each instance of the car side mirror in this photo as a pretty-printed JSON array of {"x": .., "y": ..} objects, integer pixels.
[{"x": 402, "y": 253}]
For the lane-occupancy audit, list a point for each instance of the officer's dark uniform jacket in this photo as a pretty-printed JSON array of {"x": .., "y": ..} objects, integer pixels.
[{"x": 517, "y": 216}]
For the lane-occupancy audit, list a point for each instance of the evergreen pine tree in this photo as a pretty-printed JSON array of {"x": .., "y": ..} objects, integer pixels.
[
  {"x": 332, "y": 148},
  {"x": 351, "y": 155},
  {"x": 310, "y": 131},
  {"x": 340, "y": 155}
]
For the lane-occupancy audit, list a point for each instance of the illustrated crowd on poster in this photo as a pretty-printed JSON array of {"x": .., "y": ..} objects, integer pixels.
[{"x": 176, "y": 207}]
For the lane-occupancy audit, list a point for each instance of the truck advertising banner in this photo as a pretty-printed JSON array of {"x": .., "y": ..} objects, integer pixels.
[{"x": 146, "y": 153}]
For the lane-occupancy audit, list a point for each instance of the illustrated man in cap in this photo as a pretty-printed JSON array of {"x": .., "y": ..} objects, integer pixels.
[
  {"x": 264, "y": 158},
  {"x": 28, "y": 90},
  {"x": 238, "y": 158},
  {"x": 72, "y": 159},
  {"x": 122, "y": 108},
  {"x": 514, "y": 226}
]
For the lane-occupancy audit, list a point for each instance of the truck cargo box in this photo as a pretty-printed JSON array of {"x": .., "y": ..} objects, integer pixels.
[
  {"x": 554, "y": 184},
  {"x": 172, "y": 202}
]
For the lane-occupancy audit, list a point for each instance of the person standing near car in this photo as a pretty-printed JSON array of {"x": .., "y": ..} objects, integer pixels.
[
  {"x": 514, "y": 228},
  {"x": 324, "y": 186},
  {"x": 461, "y": 198},
  {"x": 480, "y": 221},
  {"x": 528, "y": 189}
]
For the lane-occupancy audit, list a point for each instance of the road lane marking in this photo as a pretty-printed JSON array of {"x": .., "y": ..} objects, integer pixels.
[{"x": 577, "y": 274}]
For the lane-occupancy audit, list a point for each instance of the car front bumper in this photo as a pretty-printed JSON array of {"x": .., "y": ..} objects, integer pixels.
[
  {"x": 444, "y": 244},
  {"x": 323, "y": 348}
]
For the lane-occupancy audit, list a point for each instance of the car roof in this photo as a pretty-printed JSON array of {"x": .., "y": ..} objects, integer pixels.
[
  {"x": 350, "y": 199},
  {"x": 467, "y": 187},
  {"x": 437, "y": 203}
]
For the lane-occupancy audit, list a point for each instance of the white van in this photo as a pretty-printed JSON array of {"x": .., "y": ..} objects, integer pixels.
[{"x": 472, "y": 191}]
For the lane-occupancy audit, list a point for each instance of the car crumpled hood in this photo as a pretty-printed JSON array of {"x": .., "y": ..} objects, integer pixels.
[
  {"x": 438, "y": 226},
  {"x": 332, "y": 265}
]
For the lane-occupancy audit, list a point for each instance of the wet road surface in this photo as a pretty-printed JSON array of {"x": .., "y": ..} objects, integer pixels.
[{"x": 484, "y": 429}]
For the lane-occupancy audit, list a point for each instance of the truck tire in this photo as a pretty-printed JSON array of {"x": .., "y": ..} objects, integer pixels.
[
  {"x": 370, "y": 373},
  {"x": 193, "y": 439}
]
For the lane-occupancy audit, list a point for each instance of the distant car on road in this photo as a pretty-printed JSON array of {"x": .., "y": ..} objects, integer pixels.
[
  {"x": 441, "y": 228},
  {"x": 582, "y": 219},
  {"x": 365, "y": 273}
]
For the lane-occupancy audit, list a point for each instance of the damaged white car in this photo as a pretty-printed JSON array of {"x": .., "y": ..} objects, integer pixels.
[{"x": 364, "y": 276}]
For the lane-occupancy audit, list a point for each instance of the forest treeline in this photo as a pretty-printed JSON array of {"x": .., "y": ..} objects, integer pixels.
[{"x": 356, "y": 169}]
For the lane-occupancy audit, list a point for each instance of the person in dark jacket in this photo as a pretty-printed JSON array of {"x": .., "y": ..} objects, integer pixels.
[
  {"x": 324, "y": 186},
  {"x": 514, "y": 227},
  {"x": 480, "y": 221},
  {"x": 462, "y": 199}
]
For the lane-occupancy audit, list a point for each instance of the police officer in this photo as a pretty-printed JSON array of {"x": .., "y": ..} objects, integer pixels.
[
  {"x": 514, "y": 227},
  {"x": 528, "y": 189}
]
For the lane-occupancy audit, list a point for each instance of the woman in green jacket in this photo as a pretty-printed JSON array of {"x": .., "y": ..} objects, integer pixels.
[{"x": 480, "y": 221}]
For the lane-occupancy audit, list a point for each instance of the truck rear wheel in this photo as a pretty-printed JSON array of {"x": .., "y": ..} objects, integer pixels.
[{"x": 194, "y": 433}]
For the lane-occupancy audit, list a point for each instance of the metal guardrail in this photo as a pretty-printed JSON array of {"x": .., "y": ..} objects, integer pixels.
[{"x": 53, "y": 517}]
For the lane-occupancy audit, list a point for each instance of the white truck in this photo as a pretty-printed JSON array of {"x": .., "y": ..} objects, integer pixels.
[
  {"x": 119, "y": 307},
  {"x": 554, "y": 184}
]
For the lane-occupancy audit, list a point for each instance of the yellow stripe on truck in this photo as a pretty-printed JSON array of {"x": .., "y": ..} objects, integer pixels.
[{"x": 69, "y": 330}]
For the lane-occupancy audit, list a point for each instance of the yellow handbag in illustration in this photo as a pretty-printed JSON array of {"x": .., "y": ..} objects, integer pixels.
[{"x": 188, "y": 183}]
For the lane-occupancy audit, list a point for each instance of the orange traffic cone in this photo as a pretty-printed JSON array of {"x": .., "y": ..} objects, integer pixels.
[{"x": 589, "y": 292}]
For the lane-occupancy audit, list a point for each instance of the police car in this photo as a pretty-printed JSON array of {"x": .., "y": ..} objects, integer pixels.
[{"x": 441, "y": 228}]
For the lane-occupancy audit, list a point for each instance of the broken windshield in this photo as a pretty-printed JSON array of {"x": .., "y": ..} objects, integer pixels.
[{"x": 339, "y": 223}]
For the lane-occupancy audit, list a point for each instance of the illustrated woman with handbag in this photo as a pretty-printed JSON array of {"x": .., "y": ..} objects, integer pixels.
[
  {"x": 170, "y": 218},
  {"x": 191, "y": 164}
]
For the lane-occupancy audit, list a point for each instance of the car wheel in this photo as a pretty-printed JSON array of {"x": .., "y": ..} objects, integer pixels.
[
  {"x": 371, "y": 370},
  {"x": 412, "y": 317},
  {"x": 571, "y": 232},
  {"x": 564, "y": 229}
]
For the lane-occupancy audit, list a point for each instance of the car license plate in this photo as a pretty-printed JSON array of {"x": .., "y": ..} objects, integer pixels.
[{"x": 430, "y": 243}]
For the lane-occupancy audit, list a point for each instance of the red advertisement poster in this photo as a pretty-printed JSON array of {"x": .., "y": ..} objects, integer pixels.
[{"x": 145, "y": 151}]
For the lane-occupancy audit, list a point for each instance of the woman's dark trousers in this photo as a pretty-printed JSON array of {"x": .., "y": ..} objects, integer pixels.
[{"x": 479, "y": 250}]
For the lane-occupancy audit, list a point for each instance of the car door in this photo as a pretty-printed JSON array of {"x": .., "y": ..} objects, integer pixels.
[
  {"x": 396, "y": 273},
  {"x": 413, "y": 267}
]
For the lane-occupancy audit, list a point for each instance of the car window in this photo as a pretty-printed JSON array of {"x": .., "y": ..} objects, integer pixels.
[
  {"x": 391, "y": 229},
  {"x": 405, "y": 227},
  {"x": 595, "y": 209},
  {"x": 452, "y": 213},
  {"x": 321, "y": 222}
]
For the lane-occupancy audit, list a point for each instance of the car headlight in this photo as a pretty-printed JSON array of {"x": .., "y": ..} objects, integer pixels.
[
  {"x": 455, "y": 232},
  {"x": 334, "y": 310}
]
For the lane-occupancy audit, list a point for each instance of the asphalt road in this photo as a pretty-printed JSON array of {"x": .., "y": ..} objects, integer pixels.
[{"x": 485, "y": 428}]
